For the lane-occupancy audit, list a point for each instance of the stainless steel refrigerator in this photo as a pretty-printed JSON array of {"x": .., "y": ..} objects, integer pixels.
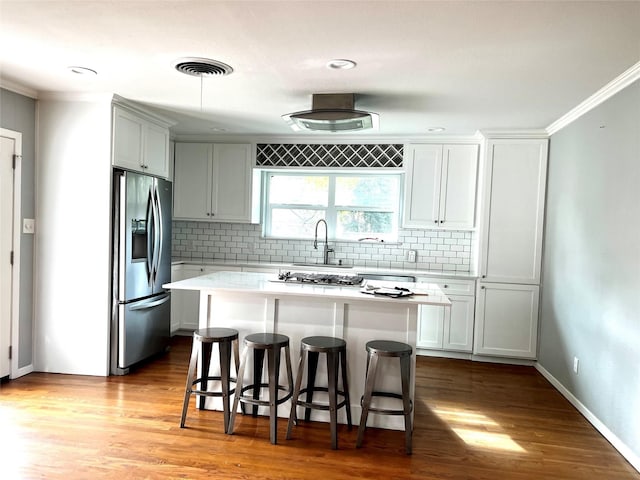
[{"x": 141, "y": 308}]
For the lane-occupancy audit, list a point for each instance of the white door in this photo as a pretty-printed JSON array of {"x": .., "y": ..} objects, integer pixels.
[
  {"x": 458, "y": 186},
  {"x": 231, "y": 193},
  {"x": 7, "y": 150},
  {"x": 423, "y": 165},
  {"x": 506, "y": 320},
  {"x": 512, "y": 233},
  {"x": 192, "y": 181}
]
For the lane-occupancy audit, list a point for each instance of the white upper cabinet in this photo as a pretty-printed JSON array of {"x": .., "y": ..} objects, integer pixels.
[
  {"x": 212, "y": 182},
  {"x": 139, "y": 144},
  {"x": 440, "y": 189},
  {"x": 514, "y": 182}
]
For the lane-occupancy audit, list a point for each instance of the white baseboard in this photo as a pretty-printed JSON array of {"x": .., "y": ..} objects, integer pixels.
[
  {"x": 425, "y": 352},
  {"x": 618, "y": 444}
]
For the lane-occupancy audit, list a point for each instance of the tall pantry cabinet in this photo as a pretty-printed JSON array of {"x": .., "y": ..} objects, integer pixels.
[{"x": 511, "y": 248}]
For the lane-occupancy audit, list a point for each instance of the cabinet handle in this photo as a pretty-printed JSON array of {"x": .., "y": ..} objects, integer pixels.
[
  {"x": 441, "y": 221},
  {"x": 482, "y": 287},
  {"x": 446, "y": 286},
  {"x": 484, "y": 276},
  {"x": 435, "y": 221}
]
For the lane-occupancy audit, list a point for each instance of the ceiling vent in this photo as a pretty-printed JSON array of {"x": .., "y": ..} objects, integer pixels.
[
  {"x": 202, "y": 67},
  {"x": 332, "y": 112}
]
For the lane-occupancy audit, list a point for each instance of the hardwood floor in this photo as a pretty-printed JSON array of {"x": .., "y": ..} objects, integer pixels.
[{"x": 473, "y": 421}]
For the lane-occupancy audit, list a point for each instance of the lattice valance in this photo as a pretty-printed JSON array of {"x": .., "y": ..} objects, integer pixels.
[{"x": 324, "y": 155}]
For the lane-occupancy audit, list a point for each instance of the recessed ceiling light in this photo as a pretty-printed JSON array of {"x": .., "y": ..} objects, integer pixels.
[
  {"x": 82, "y": 70},
  {"x": 436, "y": 129},
  {"x": 341, "y": 64}
]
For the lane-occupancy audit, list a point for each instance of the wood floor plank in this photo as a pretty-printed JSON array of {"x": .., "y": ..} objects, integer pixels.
[{"x": 473, "y": 421}]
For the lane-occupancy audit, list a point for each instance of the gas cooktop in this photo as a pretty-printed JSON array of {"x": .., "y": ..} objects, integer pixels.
[{"x": 320, "y": 278}]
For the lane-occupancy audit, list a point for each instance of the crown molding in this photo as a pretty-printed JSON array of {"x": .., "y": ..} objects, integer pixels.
[
  {"x": 507, "y": 134},
  {"x": 141, "y": 110},
  {"x": 76, "y": 97},
  {"x": 17, "y": 88},
  {"x": 326, "y": 139},
  {"x": 606, "y": 92}
]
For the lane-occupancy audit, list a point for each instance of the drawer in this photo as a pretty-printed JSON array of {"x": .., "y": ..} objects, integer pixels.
[{"x": 452, "y": 286}]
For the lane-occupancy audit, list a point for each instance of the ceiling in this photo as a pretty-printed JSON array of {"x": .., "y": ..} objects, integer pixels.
[{"x": 461, "y": 65}]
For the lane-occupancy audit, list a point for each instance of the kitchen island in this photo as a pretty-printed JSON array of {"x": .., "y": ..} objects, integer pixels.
[{"x": 259, "y": 302}]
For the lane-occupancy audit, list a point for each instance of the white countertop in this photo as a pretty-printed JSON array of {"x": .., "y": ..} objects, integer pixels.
[
  {"x": 351, "y": 270},
  {"x": 267, "y": 284}
]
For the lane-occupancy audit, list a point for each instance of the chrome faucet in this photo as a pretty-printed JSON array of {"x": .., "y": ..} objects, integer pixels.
[{"x": 326, "y": 241}]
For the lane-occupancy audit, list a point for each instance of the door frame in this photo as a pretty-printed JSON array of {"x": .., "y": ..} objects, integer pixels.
[{"x": 15, "y": 276}]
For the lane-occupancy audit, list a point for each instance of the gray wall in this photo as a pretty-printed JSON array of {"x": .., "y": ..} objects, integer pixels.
[
  {"x": 590, "y": 305},
  {"x": 18, "y": 113}
]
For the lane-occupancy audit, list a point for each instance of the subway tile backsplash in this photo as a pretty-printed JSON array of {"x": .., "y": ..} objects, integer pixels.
[{"x": 437, "y": 250}]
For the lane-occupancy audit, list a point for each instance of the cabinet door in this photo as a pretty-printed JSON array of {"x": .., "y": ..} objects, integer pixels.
[
  {"x": 192, "y": 181},
  {"x": 458, "y": 324},
  {"x": 423, "y": 165},
  {"x": 458, "y": 186},
  {"x": 127, "y": 140},
  {"x": 430, "y": 326},
  {"x": 231, "y": 195},
  {"x": 514, "y": 198},
  {"x": 156, "y": 150},
  {"x": 506, "y": 320}
]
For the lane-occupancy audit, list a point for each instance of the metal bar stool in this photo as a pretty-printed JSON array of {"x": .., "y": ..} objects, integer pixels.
[
  {"x": 203, "y": 341},
  {"x": 375, "y": 350},
  {"x": 273, "y": 344},
  {"x": 336, "y": 351}
]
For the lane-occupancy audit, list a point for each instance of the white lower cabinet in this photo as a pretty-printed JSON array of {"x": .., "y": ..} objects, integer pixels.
[
  {"x": 506, "y": 320},
  {"x": 448, "y": 328}
]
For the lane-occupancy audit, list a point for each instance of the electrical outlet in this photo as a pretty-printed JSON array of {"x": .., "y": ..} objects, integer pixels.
[
  {"x": 576, "y": 361},
  {"x": 411, "y": 255},
  {"x": 28, "y": 225}
]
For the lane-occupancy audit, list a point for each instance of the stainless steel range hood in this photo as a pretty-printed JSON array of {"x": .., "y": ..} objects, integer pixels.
[{"x": 332, "y": 112}]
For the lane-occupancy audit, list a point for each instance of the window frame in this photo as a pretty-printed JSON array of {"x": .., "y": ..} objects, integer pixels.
[{"x": 331, "y": 209}]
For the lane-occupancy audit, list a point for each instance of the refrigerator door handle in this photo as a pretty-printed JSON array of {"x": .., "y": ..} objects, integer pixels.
[
  {"x": 153, "y": 304},
  {"x": 150, "y": 238},
  {"x": 158, "y": 229}
]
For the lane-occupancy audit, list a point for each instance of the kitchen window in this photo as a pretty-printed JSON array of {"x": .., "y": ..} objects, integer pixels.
[{"x": 355, "y": 205}]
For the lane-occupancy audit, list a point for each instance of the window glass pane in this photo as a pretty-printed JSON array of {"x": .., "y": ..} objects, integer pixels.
[
  {"x": 295, "y": 223},
  {"x": 298, "y": 189},
  {"x": 381, "y": 192},
  {"x": 354, "y": 224}
]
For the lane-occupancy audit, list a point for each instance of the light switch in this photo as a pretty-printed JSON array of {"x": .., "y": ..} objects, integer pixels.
[{"x": 28, "y": 225}]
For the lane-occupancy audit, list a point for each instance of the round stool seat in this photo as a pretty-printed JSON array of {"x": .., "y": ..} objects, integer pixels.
[
  {"x": 212, "y": 335},
  {"x": 266, "y": 340},
  {"x": 323, "y": 344},
  {"x": 389, "y": 348}
]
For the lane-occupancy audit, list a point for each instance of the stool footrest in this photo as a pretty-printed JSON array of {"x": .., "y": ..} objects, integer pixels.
[
  {"x": 320, "y": 406},
  {"x": 387, "y": 411},
  {"x": 265, "y": 403}
]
